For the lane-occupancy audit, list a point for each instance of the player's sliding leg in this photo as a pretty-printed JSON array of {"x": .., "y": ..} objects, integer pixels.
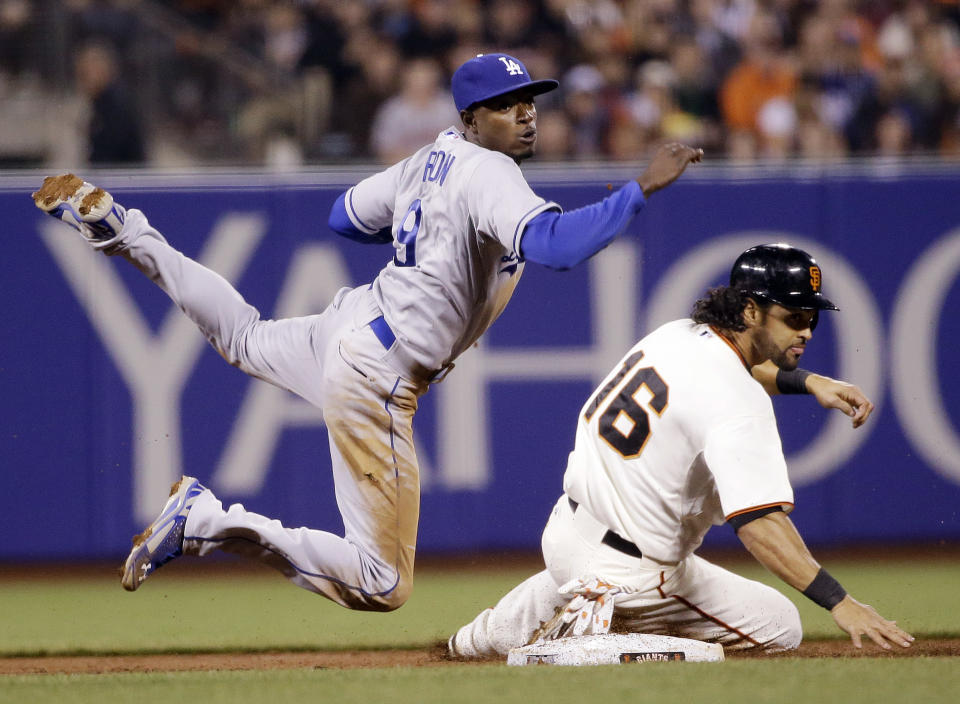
[
  {"x": 510, "y": 623},
  {"x": 703, "y": 601},
  {"x": 691, "y": 599},
  {"x": 716, "y": 606}
]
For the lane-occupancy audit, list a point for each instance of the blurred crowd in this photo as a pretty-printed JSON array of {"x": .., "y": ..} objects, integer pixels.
[{"x": 287, "y": 82}]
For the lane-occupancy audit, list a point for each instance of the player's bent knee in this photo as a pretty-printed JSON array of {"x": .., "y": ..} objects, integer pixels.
[
  {"x": 387, "y": 600},
  {"x": 385, "y": 589},
  {"x": 784, "y": 630},
  {"x": 398, "y": 597},
  {"x": 792, "y": 632}
]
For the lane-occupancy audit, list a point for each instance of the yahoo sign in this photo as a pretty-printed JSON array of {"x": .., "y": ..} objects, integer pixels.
[{"x": 111, "y": 393}]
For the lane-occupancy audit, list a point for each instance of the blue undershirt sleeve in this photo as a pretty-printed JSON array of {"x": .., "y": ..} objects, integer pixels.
[
  {"x": 340, "y": 223},
  {"x": 562, "y": 240}
]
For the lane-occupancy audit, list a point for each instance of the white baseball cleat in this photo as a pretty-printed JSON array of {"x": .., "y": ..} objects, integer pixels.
[
  {"x": 162, "y": 541},
  {"x": 86, "y": 208}
]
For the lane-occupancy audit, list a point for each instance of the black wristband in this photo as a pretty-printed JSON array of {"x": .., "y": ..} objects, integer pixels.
[
  {"x": 825, "y": 590},
  {"x": 792, "y": 382}
]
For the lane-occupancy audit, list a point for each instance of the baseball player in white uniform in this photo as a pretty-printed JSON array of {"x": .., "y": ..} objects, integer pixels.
[
  {"x": 462, "y": 221},
  {"x": 677, "y": 438}
]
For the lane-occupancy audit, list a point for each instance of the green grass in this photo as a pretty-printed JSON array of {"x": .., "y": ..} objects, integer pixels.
[
  {"x": 927, "y": 680},
  {"x": 922, "y": 596},
  {"x": 179, "y": 610},
  {"x": 176, "y": 611}
]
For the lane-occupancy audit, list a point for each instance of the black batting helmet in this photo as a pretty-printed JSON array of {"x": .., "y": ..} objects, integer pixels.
[{"x": 780, "y": 274}]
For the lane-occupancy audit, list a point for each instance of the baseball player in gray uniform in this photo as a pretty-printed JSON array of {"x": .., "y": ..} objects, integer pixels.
[
  {"x": 677, "y": 438},
  {"x": 462, "y": 221}
]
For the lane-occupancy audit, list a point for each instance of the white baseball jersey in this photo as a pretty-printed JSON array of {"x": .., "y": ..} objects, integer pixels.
[
  {"x": 458, "y": 212},
  {"x": 677, "y": 438}
]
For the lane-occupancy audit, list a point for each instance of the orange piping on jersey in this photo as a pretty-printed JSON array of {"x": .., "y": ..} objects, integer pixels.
[
  {"x": 663, "y": 579},
  {"x": 717, "y": 621},
  {"x": 731, "y": 346},
  {"x": 702, "y": 613},
  {"x": 758, "y": 508}
]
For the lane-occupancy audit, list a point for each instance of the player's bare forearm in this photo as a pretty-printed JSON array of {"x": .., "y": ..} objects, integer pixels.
[
  {"x": 847, "y": 398},
  {"x": 667, "y": 164},
  {"x": 775, "y": 543}
]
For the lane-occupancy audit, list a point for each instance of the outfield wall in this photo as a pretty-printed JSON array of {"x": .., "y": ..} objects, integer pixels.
[{"x": 109, "y": 393}]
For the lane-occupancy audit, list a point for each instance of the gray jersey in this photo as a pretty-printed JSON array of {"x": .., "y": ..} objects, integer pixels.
[{"x": 457, "y": 212}]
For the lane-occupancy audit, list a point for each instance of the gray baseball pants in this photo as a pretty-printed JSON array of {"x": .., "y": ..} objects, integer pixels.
[{"x": 336, "y": 362}]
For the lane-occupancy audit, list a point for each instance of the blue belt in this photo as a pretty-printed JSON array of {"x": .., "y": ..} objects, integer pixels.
[
  {"x": 411, "y": 367},
  {"x": 383, "y": 332}
]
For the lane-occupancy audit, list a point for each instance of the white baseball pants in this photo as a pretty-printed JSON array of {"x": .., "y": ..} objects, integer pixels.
[
  {"x": 335, "y": 361},
  {"x": 690, "y": 599}
]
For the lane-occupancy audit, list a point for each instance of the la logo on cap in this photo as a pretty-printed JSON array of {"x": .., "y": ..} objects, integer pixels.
[
  {"x": 513, "y": 68},
  {"x": 489, "y": 75}
]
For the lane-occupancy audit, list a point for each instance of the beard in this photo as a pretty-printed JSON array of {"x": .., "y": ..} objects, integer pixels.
[
  {"x": 785, "y": 361},
  {"x": 781, "y": 357}
]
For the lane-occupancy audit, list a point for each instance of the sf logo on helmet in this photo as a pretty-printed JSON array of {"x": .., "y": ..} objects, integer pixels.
[
  {"x": 512, "y": 66},
  {"x": 815, "y": 278}
]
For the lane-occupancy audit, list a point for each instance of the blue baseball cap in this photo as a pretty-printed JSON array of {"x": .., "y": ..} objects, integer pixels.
[{"x": 489, "y": 75}]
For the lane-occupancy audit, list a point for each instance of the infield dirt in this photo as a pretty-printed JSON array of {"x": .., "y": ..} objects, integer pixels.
[{"x": 354, "y": 659}]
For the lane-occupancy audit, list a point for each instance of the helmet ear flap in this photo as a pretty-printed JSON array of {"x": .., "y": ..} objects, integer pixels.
[{"x": 815, "y": 319}]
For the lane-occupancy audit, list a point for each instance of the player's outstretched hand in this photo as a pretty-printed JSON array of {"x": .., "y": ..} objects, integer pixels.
[
  {"x": 666, "y": 166},
  {"x": 863, "y": 620},
  {"x": 847, "y": 398}
]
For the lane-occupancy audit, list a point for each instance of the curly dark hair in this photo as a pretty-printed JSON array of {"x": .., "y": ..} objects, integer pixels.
[{"x": 723, "y": 307}]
